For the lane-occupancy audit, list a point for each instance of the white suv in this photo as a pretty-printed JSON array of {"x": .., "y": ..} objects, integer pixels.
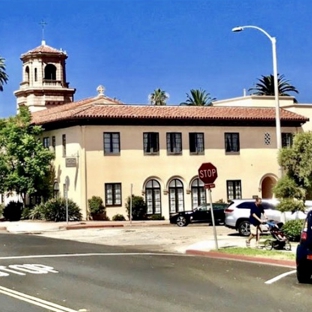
[{"x": 238, "y": 211}]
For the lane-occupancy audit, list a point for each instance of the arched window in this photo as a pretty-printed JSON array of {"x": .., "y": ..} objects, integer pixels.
[
  {"x": 176, "y": 196},
  {"x": 152, "y": 197},
  {"x": 27, "y": 74},
  {"x": 36, "y": 74},
  {"x": 198, "y": 193},
  {"x": 50, "y": 72}
]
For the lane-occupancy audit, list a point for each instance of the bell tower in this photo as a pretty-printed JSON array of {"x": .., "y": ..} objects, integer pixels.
[{"x": 44, "y": 79}]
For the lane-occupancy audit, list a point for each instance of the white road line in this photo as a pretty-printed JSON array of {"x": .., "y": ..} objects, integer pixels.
[
  {"x": 278, "y": 277},
  {"x": 92, "y": 254},
  {"x": 35, "y": 301}
]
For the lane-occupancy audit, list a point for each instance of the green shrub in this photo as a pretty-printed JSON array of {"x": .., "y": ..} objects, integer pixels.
[
  {"x": 96, "y": 205},
  {"x": 139, "y": 208},
  {"x": 156, "y": 217},
  {"x": 55, "y": 210},
  {"x": 289, "y": 204},
  {"x": 37, "y": 212},
  {"x": 1, "y": 210},
  {"x": 13, "y": 211},
  {"x": 25, "y": 213},
  {"x": 118, "y": 217},
  {"x": 293, "y": 229}
]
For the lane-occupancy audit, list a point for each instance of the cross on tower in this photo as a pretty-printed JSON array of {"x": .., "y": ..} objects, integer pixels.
[{"x": 43, "y": 24}]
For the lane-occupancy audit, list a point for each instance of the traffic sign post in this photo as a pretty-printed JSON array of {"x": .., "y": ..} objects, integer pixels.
[{"x": 207, "y": 173}]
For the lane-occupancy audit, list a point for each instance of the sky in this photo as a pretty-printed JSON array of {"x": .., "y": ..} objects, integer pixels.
[{"x": 133, "y": 47}]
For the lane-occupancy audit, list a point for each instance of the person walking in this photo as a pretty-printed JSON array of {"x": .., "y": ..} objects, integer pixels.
[{"x": 255, "y": 220}]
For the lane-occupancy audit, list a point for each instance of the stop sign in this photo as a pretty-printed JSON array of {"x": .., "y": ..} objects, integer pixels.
[{"x": 207, "y": 172}]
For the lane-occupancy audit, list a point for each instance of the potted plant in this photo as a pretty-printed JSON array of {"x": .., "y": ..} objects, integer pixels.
[{"x": 96, "y": 208}]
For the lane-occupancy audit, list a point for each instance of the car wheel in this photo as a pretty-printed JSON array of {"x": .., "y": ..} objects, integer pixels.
[
  {"x": 303, "y": 274},
  {"x": 244, "y": 228},
  {"x": 181, "y": 221}
]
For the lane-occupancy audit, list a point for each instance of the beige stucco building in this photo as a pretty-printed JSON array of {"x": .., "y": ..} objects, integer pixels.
[{"x": 109, "y": 149}]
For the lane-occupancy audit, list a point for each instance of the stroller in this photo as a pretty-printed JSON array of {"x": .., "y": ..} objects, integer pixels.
[{"x": 279, "y": 240}]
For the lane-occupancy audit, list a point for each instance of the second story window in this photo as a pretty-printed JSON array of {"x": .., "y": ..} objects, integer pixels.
[
  {"x": 287, "y": 139},
  {"x": 46, "y": 142},
  {"x": 151, "y": 142},
  {"x": 231, "y": 142},
  {"x": 64, "y": 144},
  {"x": 53, "y": 143},
  {"x": 174, "y": 143},
  {"x": 111, "y": 143},
  {"x": 196, "y": 143}
]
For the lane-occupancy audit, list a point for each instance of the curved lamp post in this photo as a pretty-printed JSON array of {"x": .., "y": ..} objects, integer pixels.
[{"x": 277, "y": 107}]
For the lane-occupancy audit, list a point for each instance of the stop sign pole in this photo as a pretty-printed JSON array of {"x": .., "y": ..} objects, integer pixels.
[{"x": 207, "y": 173}]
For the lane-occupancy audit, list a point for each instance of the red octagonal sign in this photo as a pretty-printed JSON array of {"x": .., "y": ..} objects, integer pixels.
[{"x": 207, "y": 172}]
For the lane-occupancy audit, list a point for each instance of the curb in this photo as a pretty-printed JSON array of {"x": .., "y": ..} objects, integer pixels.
[
  {"x": 224, "y": 256},
  {"x": 85, "y": 226}
]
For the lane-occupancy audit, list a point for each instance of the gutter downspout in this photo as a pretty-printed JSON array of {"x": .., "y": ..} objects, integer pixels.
[{"x": 85, "y": 188}]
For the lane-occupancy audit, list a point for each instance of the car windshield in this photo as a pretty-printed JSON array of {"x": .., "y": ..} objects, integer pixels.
[
  {"x": 217, "y": 206},
  {"x": 201, "y": 208}
]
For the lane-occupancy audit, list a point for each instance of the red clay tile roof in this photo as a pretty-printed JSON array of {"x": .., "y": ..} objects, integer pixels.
[
  {"x": 43, "y": 48},
  {"x": 89, "y": 108}
]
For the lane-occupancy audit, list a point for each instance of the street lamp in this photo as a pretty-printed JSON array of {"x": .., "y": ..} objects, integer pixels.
[{"x": 277, "y": 107}]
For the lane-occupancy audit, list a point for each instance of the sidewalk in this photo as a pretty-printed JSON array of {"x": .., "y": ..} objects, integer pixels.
[
  {"x": 35, "y": 226},
  {"x": 205, "y": 247}
]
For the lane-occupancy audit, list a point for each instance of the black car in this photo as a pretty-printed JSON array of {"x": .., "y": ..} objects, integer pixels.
[
  {"x": 200, "y": 214},
  {"x": 304, "y": 252}
]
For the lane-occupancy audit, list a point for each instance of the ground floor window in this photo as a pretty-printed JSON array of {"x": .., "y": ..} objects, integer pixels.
[
  {"x": 113, "y": 194},
  {"x": 152, "y": 197},
  {"x": 234, "y": 189},
  {"x": 176, "y": 196},
  {"x": 198, "y": 193}
]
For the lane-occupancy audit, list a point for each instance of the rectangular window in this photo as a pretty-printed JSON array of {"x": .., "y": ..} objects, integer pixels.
[
  {"x": 53, "y": 143},
  {"x": 196, "y": 143},
  {"x": 46, "y": 142},
  {"x": 64, "y": 144},
  {"x": 174, "y": 143},
  {"x": 287, "y": 139},
  {"x": 231, "y": 142},
  {"x": 151, "y": 142},
  {"x": 234, "y": 189},
  {"x": 111, "y": 143},
  {"x": 113, "y": 194}
]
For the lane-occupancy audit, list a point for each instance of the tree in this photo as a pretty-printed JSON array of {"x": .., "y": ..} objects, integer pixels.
[
  {"x": 265, "y": 86},
  {"x": 3, "y": 76},
  {"x": 25, "y": 164},
  {"x": 198, "y": 98},
  {"x": 296, "y": 184},
  {"x": 158, "y": 97}
]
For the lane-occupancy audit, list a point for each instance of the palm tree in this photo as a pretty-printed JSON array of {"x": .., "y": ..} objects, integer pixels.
[
  {"x": 158, "y": 97},
  {"x": 3, "y": 75},
  {"x": 198, "y": 98},
  {"x": 265, "y": 86}
]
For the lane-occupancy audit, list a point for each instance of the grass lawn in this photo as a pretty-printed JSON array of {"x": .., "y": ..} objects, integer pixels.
[
  {"x": 273, "y": 254},
  {"x": 254, "y": 252}
]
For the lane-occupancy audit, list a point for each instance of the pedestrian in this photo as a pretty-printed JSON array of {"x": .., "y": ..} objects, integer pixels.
[{"x": 255, "y": 221}]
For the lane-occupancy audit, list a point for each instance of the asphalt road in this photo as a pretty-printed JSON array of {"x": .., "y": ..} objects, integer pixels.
[{"x": 46, "y": 274}]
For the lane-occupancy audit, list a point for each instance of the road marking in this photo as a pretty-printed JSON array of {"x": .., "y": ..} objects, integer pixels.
[
  {"x": 35, "y": 301},
  {"x": 93, "y": 254},
  {"x": 278, "y": 277},
  {"x": 28, "y": 268}
]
